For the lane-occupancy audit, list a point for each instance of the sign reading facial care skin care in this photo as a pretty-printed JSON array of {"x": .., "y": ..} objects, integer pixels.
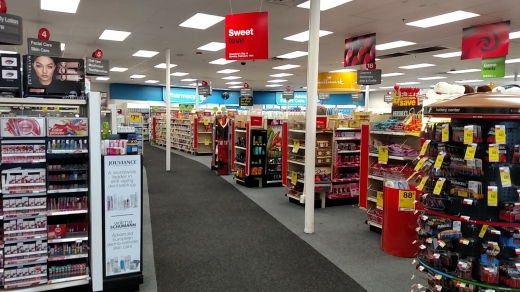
[
  {"x": 493, "y": 67},
  {"x": 247, "y": 36},
  {"x": 43, "y": 48},
  {"x": 122, "y": 191}
]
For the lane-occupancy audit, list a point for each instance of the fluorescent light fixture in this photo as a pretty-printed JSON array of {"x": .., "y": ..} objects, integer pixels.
[
  {"x": 392, "y": 74},
  {"x": 227, "y": 71},
  {"x": 213, "y": 47},
  {"x": 163, "y": 66},
  {"x": 286, "y": 67},
  {"x": 276, "y": 81},
  {"x": 114, "y": 35},
  {"x": 179, "y": 74},
  {"x": 393, "y": 45},
  {"x": 62, "y": 46},
  {"x": 103, "y": 78},
  {"x": 378, "y": 59},
  {"x": 65, "y": 6},
  {"x": 408, "y": 83},
  {"x": 137, "y": 76},
  {"x": 304, "y": 36},
  {"x": 221, "y": 61},
  {"x": 151, "y": 81},
  {"x": 118, "y": 69},
  {"x": 295, "y": 54},
  {"x": 281, "y": 75},
  {"x": 417, "y": 66},
  {"x": 236, "y": 86},
  {"x": 449, "y": 55},
  {"x": 233, "y": 82},
  {"x": 514, "y": 35},
  {"x": 145, "y": 54},
  {"x": 325, "y": 4},
  {"x": 510, "y": 61},
  {"x": 432, "y": 78},
  {"x": 443, "y": 19},
  {"x": 509, "y": 76},
  {"x": 8, "y": 52},
  {"x": 202, "y": 21},
  {"x": 188, "y": 80},
  {"x": 231, "y": 77},
  {"x": 469, "y": 81},
  {"x": 463, "y": 71},
  {"x": 194, "y": 84},
  {"x": 274, "y": 85},
  {"x": 343, "y": 70},
  {"x": 387, "y": 87}
]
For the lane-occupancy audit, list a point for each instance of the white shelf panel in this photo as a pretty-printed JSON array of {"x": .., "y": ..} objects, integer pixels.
[
  {"x": 239, "y": 147},
  {"x": 296, "y": 162},
  {"x": 372, "y": 223},
  {"x": 349, "y": 151},
  {"x": 297, "y": 131},
  {"x": 376, "y": 177},
  {"x": 240, "y": 163}
]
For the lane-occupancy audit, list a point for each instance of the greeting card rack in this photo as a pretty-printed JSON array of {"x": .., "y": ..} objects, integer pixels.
[
  {"x": 46, "y": 174},
  {"x": 469, "y": 175}
]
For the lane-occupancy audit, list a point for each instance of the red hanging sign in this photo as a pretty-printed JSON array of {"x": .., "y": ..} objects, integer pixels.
[
  {"x": 3, "y": 6},
  {"x": 98, "y": 54},
  {"x": 247, "y": 36},
  {"x": 44, "y": 34}
]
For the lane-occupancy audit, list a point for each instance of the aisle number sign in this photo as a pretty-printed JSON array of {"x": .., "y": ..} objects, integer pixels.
[
  {"x": 296, "y": 145},
  {"x": 500, "y": 134},
  {"x": 505, "y": 176},
  {"x": 294, "y": 177},
  {"x": 379, "y": 200},
  {"x": 492, "y": 196},
  {"x": 468, "y": 134},
  {"x": 445, "y": 133},
  {"x": 382, "y": 154},
  {"x": 135, "y": 118},
  {"x": 406, "y": 200},
  {"x": 471, "y": 149},
  {"x": 494, "y": 153},
  {"x": 424, "y": 147}
]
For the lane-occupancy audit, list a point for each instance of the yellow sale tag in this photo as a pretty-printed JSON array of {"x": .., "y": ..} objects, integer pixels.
[
  {"x": 438, "y": 186},
  {"x": 406, "y": 200},
  {"x": 424, "y": 147},
  {"x": 382, "y": 154},
  {"x": 468, "y": 134},
  {"x": 470, "y": 151},
  {"x": 505, "y": 176},
  {"x": 294, "y": 177},
  {"x": 462, "y": 194},
  {"x": 483, "y": 231},
  {"x": 45, "y": 109},
  {"x": 206, "y": 121},
  {"x": 421, "y": 185},
  {"x": 135, "y": 118},
  {"x": 445, "y": 133},
  {"x": 492, "y": 196},
  {"x": 206, "y": 142},
  {"x": 379, "y": 203},
  {"x": 493, "y": 153},
  {"x": 439, "y": 160},
  {"x": 500, "y": 134},
  {"x": 57, "y": 109},
  {"x": 296, "y": 145},
  {"x": 420, "y": 164}
]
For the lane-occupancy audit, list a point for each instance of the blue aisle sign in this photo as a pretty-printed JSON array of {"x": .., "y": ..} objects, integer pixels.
[
  {"x": 182, "y": 95},
  {"x": 300, "y": 99}
]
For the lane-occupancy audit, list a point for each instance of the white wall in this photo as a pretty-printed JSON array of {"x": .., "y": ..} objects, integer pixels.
[
  {"x": 377, "y": 104},
  {"x": 100, "y": 87}
]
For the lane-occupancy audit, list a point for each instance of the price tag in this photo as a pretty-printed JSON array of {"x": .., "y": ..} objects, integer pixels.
[
  {"x": 483, "y": 231},
  {"x": 382, "y": 156},
  {"x": 445, "y": 133},
  {"x": 420, "y": 164},
  {"x": 206, "y": 142},
  {"x": 206, "y": 121},
  {"x": 135, "y": 118},
  {"x": 500, "y": 134},
  {"x": 411, "y": 176},
  {"x": 379, "y": 202},
  {"x": 470, "y": 151},
  {"x": 294, "y": 177},
  {"x": 438, "y": 186},
  {"x": 439, "y": 160},
  {"x": 468, "y": 134},
  {"x": 493, "y": 153},
  {"x": 421, "y": 185},
  {"x": 296, "y": 146},
  {"x": 492, "y": 196},
  {"x": 406, "y": 200},
  {"x": 464, "y": 241},
  {"x": 441, "y": 243},
  {"x": 424, "y": 147},
  {"x": 57, "y": 109},
  {"x": 505, "y": 176},
  {"x": 438, "y": 277},
  {"x": 45, "y": 109}
]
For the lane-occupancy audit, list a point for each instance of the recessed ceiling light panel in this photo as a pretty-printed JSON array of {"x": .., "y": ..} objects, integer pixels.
[
  {"x": 65, "y": 6},
  {"x": 510, "y": 61},
  {"x": 163, "y": 66},
  {"x": 295, "y": 54},
  {"x": 392, "y": 74},
  {"x": 286, "y": 67},
  {"x": 432, "y": 78},
  {"x": 212, "y": 47},
  {"x": 463, "y": 71},
  {"x": 202, "y": 21},
  {"x": 188, "y": 80},
  {"x": 234, "y": 82},
  {"x": 235, "y": 86},
  {"x": 408, "y": 83},
  {"x": 304, "y": 36},
  {"x": 231, "y": 77},
  {"x": 443, "y": 19},
  {"x": 228, "y": 71},
  {"x": 221, "y": 61},
  {"x": 103, "y": 78},
  {"x": 325, "y": 4},
  {"x": 393, "y": 45},
  {"x": 276, "y": 81},
  {"x": 179, "y": 74},
  {"x": 151, "y": 81},
  {"x": 448, "y": 55},
  {"x": 118, "y": 69},
  {"x": 114, "y": 35},
  {"x": 417, "y": 66},
  {"x": 145, "y": 54},
  {"x": 281, "y": 75},
  {"x": 137, "y": 76},
  {"x": 274, "y": 85}
]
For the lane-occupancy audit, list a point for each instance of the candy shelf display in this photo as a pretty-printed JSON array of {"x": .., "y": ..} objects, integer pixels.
[
  {"x": 239, "y": 151},
  {"x": 469, "y": 175},
  {"x": 203, "y": 132}
]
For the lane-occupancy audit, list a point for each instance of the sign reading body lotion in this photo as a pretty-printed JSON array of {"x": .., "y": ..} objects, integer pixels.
[
  {"x": 247, "y": 36},
  {"x": 10, "y": 30},
  {"x": 122, "y": 194}
]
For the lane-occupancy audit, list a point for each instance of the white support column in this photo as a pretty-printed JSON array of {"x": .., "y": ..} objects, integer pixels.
[
  {"x": 312, "y": 93},
  {"x": 367, "y": 96},
  {"x": 197, "y": 94},
  {"x": 168, "y": 113},
  {"x": 95, "y": 199},
  {"x": 113, "y": 118}
]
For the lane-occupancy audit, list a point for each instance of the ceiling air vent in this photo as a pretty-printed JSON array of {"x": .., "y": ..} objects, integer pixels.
[
  {"x": 425, "y": 50},
  {"x": 389, "y": 56},
  {"x": 277, "y": 59},
  {"x": 285, "y": 2}
]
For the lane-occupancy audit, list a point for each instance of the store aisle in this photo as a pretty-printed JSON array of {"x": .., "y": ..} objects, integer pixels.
[{"x": 207, "y": 236}]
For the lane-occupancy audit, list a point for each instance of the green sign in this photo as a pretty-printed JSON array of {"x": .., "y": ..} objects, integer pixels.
[
  {"x": 190, "y": 107},
  {"x": 493, "y": 67},
  {"x": 223, "y": 109},
  {"x": 182, "y": 108},
  {"x": 215, "y": 109}
]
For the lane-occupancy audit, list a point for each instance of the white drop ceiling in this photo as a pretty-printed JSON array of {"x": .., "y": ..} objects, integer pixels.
[{"x": 154, "y": 26}]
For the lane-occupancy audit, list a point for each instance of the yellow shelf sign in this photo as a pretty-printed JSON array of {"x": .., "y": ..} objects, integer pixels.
[
  {"x": 406, "y": 200},
  {"x": 382, "y": 155},
  {"x": 379, "y": 200}
]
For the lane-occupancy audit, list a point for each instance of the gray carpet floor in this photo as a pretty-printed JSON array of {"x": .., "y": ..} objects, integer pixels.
[{"x": 207, "y": 236}]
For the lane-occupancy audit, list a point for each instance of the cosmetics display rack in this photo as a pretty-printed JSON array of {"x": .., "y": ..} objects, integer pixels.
[
  {"x": 275, "y": 155},
  {"x": 203, "y": 133},
  {"x": 45, "y": 200},
  {"x": 143, "y": 123},
  {"x": 239, "y": 151},
  {"x": 469, "y": 176}
]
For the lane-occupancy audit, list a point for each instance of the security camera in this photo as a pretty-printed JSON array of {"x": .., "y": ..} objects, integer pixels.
[
  {"x": 131, "y": 78},
  {"x": 243, "y": 63}
]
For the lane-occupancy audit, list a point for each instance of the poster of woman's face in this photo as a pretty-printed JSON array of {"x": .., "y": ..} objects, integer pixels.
[{"x": 58, "y": 76}]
